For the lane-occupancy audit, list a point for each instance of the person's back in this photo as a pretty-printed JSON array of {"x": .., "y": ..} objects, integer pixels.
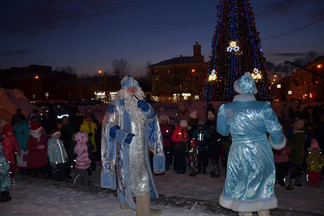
[
  {"x": 250, "y": 177},
  {"x": 247, "y": 118}
]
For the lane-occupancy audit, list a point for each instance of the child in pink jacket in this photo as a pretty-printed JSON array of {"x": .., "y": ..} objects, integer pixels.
[{"x": 82, "y": 160}]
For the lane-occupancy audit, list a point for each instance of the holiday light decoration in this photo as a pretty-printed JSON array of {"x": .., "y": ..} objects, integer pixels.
[
  {"x": 235, "y": 49},
  {"x": 256, "y": 77},
  {"x": 212, "y": 76}
]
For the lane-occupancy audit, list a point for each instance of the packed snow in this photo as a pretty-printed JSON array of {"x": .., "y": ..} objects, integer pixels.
[{"x": 179, "y": 195}]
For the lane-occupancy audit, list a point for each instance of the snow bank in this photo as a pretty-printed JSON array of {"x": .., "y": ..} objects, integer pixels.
[{"x": 11, "y": 100}]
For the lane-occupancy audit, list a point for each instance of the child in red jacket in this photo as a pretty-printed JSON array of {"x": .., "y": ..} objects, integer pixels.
[
  {"x": 180, "y": 139},
  {"x": 10, "y": 148}
]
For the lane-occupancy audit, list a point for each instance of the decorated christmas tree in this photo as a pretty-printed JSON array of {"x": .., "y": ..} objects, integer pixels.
[{"x": 236, "y": 49}]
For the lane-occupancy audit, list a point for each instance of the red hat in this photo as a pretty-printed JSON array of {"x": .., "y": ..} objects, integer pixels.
[
  {"x": 54, "y": 132},
  {"x": 6, "y": 128},
  {"x": 314, "y": 144},
  {"x": 34, "y": 126}
]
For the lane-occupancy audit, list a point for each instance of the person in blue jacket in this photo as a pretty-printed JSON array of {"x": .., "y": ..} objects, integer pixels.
[
  {"x": 5, "y": 180},
  {"x": 250, "y": 177}
]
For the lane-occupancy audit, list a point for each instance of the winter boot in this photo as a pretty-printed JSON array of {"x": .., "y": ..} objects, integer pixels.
[
  {"x": 291, "y": 184},
  {"x": 245, "y": 213},
  {"x": 264, "y": 213},
  {"x": 124, "y": 207},
  {"x": 298, "y": 182},
  {"x": 143, "y": 208},
  {"x": 5, "y": 196}
]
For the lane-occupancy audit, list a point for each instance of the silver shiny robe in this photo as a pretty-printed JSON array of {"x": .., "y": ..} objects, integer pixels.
[
  {"x": 139, "y": 176},
  {"x": 126, "y": 162}
]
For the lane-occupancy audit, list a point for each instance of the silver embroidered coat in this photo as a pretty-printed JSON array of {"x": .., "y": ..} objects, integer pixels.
[{"x": 129, "y": 163}]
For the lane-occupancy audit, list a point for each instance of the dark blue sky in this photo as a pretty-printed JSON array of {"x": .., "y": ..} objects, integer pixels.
[{"x": 88, "y": 34}]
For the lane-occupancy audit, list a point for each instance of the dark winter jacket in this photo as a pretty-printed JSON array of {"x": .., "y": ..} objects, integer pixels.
[{"x": 202, "y": 139}]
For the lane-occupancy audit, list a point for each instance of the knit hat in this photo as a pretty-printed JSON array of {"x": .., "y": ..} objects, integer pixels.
[
  {"x": 314, "y": 144},
  {"x": 164, "y": 118},
  {"x": 54, "y": 132},
  {"x": 193, "y": 114},
  {"x": 128, "y": 81},
  {"x": 6, "y": 128},
  {"x": 210, "y": 115},
  {"x": 200, "y": 123},
  {"x": 34, "y": 126},
  {"x": 299, "y": 124},
  {"x": 245, "y": 85},
  {"x": 183, "y": 123}
]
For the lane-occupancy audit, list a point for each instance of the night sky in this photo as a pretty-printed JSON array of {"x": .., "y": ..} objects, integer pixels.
[{"x": 88, "y": 34}]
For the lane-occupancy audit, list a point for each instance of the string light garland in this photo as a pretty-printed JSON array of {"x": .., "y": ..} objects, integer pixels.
[{"x": 236, "y": 48}]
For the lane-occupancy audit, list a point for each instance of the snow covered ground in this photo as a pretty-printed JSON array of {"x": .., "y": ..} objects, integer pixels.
[{"x": 179, "y": 195}]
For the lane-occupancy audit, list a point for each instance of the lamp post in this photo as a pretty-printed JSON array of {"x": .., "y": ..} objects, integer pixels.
[{"x": 100, "y": 72}]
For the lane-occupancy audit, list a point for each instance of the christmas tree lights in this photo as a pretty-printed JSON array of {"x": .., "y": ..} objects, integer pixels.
[{"x": 235, "y": 49}]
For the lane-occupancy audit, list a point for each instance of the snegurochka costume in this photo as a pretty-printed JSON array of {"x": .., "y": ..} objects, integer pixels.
[
  {"x": 250, "y": 179},
  {"x": 125, "y": 156}
]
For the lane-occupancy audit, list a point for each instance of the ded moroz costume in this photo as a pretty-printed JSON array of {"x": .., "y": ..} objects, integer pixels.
[{"x": 130, "y": 127}]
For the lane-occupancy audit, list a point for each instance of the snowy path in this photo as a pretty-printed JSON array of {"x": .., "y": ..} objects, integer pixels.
[{"x": 179, "y": 195}]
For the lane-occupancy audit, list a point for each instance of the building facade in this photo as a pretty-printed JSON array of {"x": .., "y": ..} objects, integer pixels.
[
  {"x": 180, "y": 78},
  {"x": 306, "y": 84}
]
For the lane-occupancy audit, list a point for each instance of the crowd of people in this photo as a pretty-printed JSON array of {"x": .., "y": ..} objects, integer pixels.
[
  {"x": 58, "y": 144},
  {"x": 46, "y": 146}
]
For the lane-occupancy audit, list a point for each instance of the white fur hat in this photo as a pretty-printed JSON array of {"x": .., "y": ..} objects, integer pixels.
[
  {"x": 183, "y": 123},
  {"x": 164, "y": 118},
  {"x": 193, "y": 114},
  {"x": 210, "y": 115},
  {"x": 299, "y": 124}
]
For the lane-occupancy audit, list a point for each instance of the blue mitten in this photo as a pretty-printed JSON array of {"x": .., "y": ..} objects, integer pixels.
[
  {"x": 113, "y": 131},
  {"x": 143, "y": 105},
  {"x": 129, "y": 138},
  {"x": 158, "y": 163}
]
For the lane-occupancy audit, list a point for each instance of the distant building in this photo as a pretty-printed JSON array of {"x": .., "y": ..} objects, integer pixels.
[
  {"x": 306, "y": 84},
  {"x": 36, "y": 81},
  {"x": 179, "y": 78}
]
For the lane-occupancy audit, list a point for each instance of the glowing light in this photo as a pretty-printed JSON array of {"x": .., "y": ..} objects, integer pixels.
[
  {"x": 232, "y": 44},
  {"x": 257, "y": 76},
  {"x": 278, "y": 85},
  {"x": 233, "y": 47},
  {"x": 310, "y": 95},
  {"x": 256, "y": 70},
  {"x": 36, "y": 77},
  {"x": 99, "y": 71},
  {"x": 212, "y": 76},
  {"x": 290, "y": 92},
  {"x": 319, "y": 66},
  {"x": 193, "y": 70}
]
